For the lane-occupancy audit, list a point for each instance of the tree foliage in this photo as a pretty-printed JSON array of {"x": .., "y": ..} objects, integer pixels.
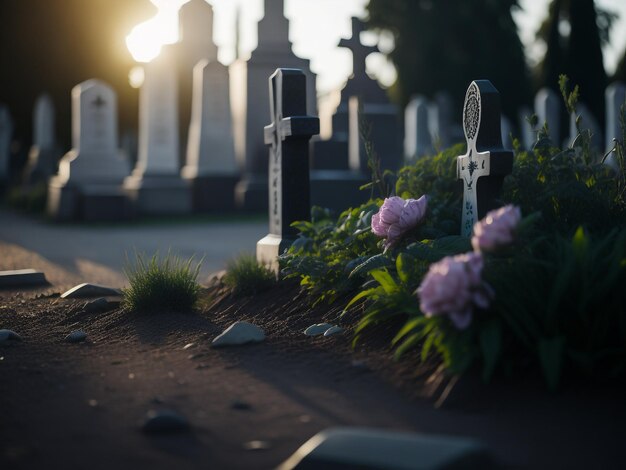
[{"x": 445, "y": 44}]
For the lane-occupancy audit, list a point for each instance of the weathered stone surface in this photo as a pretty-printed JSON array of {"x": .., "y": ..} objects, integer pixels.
[
  {"x": 240, "y": 332},
  {"x": 164, "y": 421},
  {"x": 317, "y": 329},
  {"x": 98, "y": 305},
  {"x": 22, "y": 278},
  {"x": 76, "y": 336},
  {"x": 89, "y": 290},
  {"x": 349, "y": 448},
  {"x": 6, "y": 335}
]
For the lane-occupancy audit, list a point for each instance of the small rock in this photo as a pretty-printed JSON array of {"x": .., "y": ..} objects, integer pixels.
[
  {"x": 188, "y": 345},
  {"x": 317, "y": 329},
  {"x": 257, "y": 445},
  {"x": 240, "y": 332},
  {"x": 335, "y": 330},
  {"x": 164, "y": 421},
  {"x": 76, "y": 336},
  {"x": 6, "y": 335},
  {"x": 89, "y": 290},
  {"x": 95, "y": 306}
]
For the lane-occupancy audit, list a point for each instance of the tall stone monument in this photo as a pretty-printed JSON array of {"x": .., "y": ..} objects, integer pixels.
[
  {"x": 44, "y": 153},
  {"x": 249, "y": 97},
  {"x": 155, "y": 185},
  {"x": 485, "y": 164},
  {"x": 88, "y": 184},
  {"x": 195, "y": 19},
  {"x": 211, "y": 168},
  {"x": 288, "y": 137}
]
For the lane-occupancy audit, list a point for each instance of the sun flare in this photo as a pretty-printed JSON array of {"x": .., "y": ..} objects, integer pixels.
[{"x": 146, "y": 39}]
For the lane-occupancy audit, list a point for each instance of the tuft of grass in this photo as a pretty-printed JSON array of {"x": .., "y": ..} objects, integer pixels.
[
  {"x": 246, "y": 276},
  {"x": 161, "y": 284}
]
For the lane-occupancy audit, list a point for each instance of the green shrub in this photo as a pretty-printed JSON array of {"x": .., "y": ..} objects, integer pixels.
[
  {"x": 246, "y": 276},
  {"x": 161, "y": 284}
]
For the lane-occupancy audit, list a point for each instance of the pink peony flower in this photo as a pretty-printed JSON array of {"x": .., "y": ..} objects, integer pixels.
[
  {"x": 397, "y": 216},
  {"x": 453, "y": 287},
  {"x": 497, "y": 229}
]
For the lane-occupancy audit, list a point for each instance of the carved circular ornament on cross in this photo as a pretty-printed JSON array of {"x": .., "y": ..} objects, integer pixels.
[{"x": 471, "y": 112}]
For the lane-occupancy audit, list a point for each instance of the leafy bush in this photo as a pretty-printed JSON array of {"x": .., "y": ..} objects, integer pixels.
[
  {"x": 161, "y": 284},
  {"x": 246, "y": 276}
]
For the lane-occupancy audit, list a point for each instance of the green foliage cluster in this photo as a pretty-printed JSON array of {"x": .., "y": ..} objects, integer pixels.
[
  {"x": 246, "y": 276},
  {"x": 157, "y": 284},
  {"x": 560, "y": 303},
  {"x": 32, "y": 199}
]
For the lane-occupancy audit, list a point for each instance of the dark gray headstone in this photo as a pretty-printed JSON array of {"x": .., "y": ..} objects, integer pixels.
[
  {"x": 527, "y": 133},
  {"x": 485, "y": 164},
  {"x": 44, "y": 153},
  {"x": 288, "y": 137}
]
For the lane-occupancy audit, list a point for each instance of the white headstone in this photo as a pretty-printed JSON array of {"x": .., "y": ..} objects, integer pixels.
[
  {"x": 548, "y": 110},
  {"x": 6, "y": 133},
  {"x": 528, "y": 134},
  {"x": 94, "y": 157},
  {"x": 210, "y": 148},
  {"x": 158, "y": 120},
  {"x": 615, "y": 95},
  {"x": 417, "y": 140}
]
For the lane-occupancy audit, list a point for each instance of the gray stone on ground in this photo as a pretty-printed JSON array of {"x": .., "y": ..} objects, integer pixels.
[
  {"x": 317, "y": 329},
  {"x": 76, "y": 336},
  {"x": 22, "y": 278},
  {"x": 164, "y": 421},
  {"x": 98, "y": 305},
  {"x": 334, "y": 330},
  {"x": 368, "y": 448},
  {"x": 6, "y": 335},
  {"x": 90, "y": 290},
  {"x": 240, "y": 332}
]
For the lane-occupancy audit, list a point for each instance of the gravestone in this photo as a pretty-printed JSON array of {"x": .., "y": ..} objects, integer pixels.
[
  {"x": 417, "y": 141},
  {"x": 155, "y": 185},
  {"x": 288, "y": 137},
  {"x": 44, "y": 153},
  {"x": 195, "y": 19},
  {"x": 6, "y": 134},
  {"x": 88, "y": 184},
  {"x": 211, "y": 167},
  {"x": 444, "y": 131},
  {"x": 485, "y": 164},
  {"x": 587, "y": 122},
  {"x": 615, "y": 96},
  {"x": 528, "y": 134},
  {"x": 548, "y": 110},
  {"x": 249, "y": 97},
  {"x": 506, "y": 130}
]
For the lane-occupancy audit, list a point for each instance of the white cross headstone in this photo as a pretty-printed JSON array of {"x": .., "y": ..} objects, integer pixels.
[
  {"x": 548, "y": 110},
  {"x": 95, "y": 157},
  {"x": 6, "y": 133},
  {"x": 210, "y": 149},
  {"x": 288, "y": 137},
  {"x": 417, "y": 140},
  {"x": 485, "y": 163},
  {"x": 615, "y": 96}
]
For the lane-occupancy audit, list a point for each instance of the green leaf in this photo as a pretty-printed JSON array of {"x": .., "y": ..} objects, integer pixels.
[
  {"x": 551, "y": 358},
  {"x": 490, "y": 344},
  {"x": 405, "y": 266},
  {"x": 409, "y": 343},
  {"x": 385, "y": 280},
  {"x": 359, "y": 296},
  {"x": 375, "y": 262},
  {"x": 409, "y": 326}
]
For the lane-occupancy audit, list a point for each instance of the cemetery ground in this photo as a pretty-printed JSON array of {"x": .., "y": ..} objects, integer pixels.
[{"x": 75, "y": 405}]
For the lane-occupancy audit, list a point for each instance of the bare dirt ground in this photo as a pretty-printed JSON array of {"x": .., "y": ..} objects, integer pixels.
[{"x": 82, "y": 405}]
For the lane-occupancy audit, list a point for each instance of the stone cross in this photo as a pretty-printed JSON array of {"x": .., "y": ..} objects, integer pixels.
[
  {"x": 485, "y": 164},
  {"x": 288, "y": 137},
  {"x": 359, "y": 51}
]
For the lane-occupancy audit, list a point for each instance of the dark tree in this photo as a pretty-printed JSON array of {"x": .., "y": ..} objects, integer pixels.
[{"x": 445, "y": 44}]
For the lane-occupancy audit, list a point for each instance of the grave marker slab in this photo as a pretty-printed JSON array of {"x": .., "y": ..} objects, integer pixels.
[
  {"x": 155, "y": 185},
  {"x": 211, "y": 167},
  {"x": 44, "y": 154},
  {"x": 288, "y": 137},
  {"x": 485, "y": 164},
  {"x": 22, "y": 278},
  {"x": 88, "y": 184}
]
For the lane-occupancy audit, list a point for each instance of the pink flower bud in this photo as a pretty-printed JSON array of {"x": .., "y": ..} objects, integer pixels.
[
  {"x": 397, "y": 216},
  {"x": 497, "y": 229}
]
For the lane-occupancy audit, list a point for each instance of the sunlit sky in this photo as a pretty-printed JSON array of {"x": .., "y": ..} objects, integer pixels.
[{"x": 316, "y": 26}]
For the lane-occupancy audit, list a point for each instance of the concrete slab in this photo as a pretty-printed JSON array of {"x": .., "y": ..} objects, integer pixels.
[{"x": 22, "y": 278}]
